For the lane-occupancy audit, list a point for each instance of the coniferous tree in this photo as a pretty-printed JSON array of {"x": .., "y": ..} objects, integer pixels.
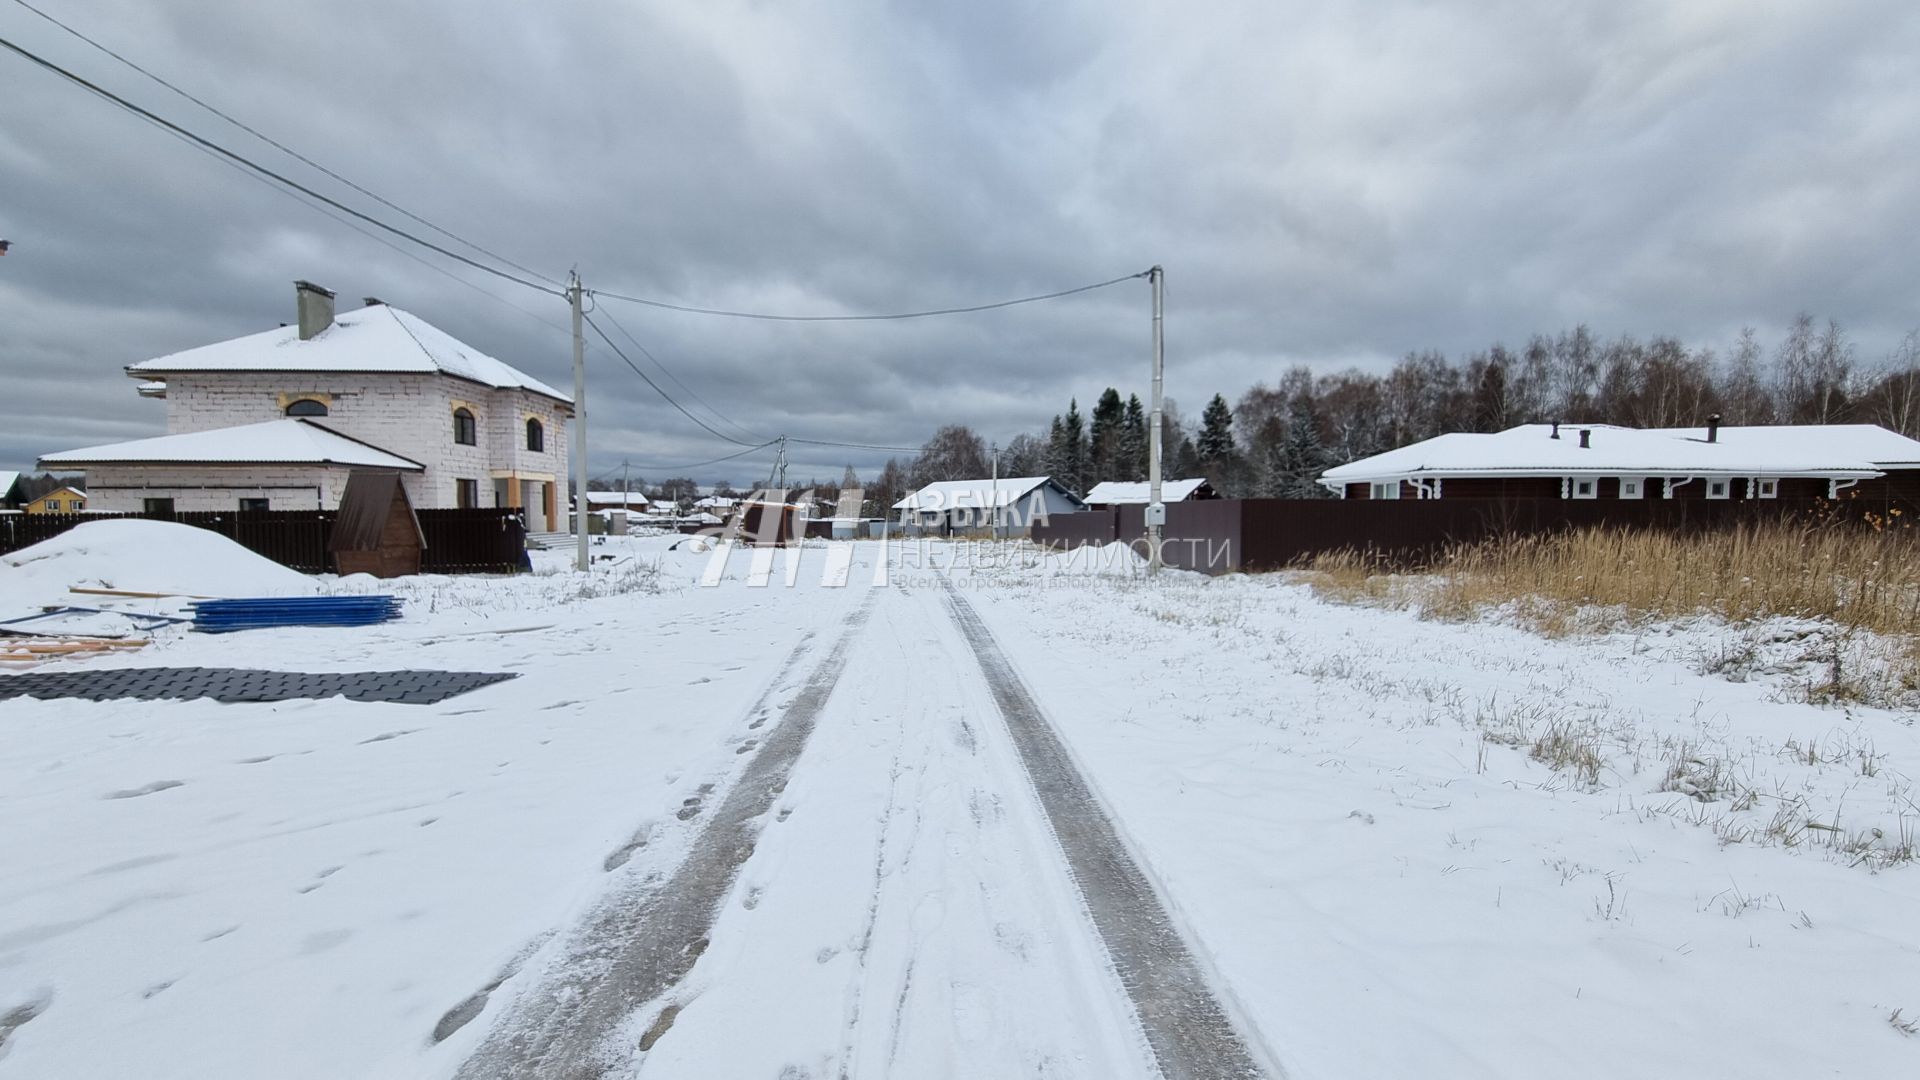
[
  {"x": 1133, "y": 442},
  {"x": 1104, "y": 437},
  {"x": 1303, "y": 457},
  {"x": 1216, "y": 432}
]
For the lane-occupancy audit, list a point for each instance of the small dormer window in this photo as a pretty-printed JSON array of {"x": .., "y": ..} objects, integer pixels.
[
  {"x": 464, "y": 431},
  {"x": 536, "y": 436},
  {"x": 306, "y": 407}
]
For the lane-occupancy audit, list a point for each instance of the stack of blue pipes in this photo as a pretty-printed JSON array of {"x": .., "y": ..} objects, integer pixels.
[{"x": 225, "y": 616}]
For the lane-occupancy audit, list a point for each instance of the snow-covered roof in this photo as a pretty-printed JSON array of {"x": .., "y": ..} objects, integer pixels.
[
  {"x": 7, "y": 480},
  {"x": 373, "y": 338},
  {"x": 276, "y": 442},
  {"x": 1836, "y": 450},
  {"x": 1870, "y": 443},
  {"x": 975, "y": 494},
  {"x": 1108, "y": 492},
  {"x": 617, "y": 498},
  {"x": 716, "y": 502}
]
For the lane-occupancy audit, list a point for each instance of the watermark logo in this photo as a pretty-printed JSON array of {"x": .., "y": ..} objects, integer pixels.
[{"x": 955, "y": 534}]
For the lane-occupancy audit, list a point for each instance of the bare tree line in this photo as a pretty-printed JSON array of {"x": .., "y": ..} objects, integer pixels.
[{"x": 1278, "y": 437}]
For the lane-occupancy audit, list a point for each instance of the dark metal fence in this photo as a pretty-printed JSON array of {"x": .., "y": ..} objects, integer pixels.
[
  {"x": 1222, "y": 535},
  {"x": 478, "y": 541}
]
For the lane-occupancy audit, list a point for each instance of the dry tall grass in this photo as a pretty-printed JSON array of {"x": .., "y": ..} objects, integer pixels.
[
  {"x": 1858, "y": 578},
  {"x": 1852, "y": 579}
]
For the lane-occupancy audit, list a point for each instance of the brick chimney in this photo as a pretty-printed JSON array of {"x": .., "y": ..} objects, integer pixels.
[
  {"x": 1713, "y": 428},
  {"x": 315, "y": 305}
]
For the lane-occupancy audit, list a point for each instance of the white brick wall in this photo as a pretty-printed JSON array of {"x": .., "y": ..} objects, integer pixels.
[
  {"x": 407, "y": 414},
  {"x": 122, "y": 488}
]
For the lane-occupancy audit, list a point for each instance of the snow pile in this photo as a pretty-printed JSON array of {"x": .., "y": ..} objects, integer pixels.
[{"x": 141, "y": 556}]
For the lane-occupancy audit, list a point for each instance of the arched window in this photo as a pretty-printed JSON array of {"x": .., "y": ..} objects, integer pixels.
[
  {"x": 306, "y": 407},
  {"x": 463, "y": 429},
  {"x": 536, "y": 435}
]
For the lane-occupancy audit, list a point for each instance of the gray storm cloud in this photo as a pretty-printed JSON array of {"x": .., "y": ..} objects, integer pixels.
[{"x": 1331, "y": 184}]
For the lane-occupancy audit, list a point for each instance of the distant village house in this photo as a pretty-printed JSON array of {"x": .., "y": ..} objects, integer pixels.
[
  {"x": 1110, "y": 493},
  {"x": 1010, "y": 505},
  {"x": 62, "y": 500}
]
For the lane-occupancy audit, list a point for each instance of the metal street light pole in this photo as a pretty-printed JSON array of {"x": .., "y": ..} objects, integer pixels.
[
  {"x": 581, "y": 560},
  {"x": 1156, "y": 510}
]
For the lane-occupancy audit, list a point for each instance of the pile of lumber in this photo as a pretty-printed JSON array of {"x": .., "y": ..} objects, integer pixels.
[{"x": 36, "y": 650}]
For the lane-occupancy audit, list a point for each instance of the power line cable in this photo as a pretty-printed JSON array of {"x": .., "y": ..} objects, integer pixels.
[
  {"x": 644, "y": 351},
  {"x": 704, "y": 464},
  {"x": 710, "y": 429},
  {"x": 857, "y": 446},
  {"x": 767, "y": 316},
  {"x": 284, "y": 148},
  {"x": 209, "y": 144}
]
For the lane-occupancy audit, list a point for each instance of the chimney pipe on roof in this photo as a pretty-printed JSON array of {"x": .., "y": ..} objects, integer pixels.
[
  {"x": 1713, "y": 428},
  {"x": 315, "y": 305},
  {"x": 1586, "y": 439},
  {"x": 1556, "y": 430},
  {"x": 373, "y": 301}
]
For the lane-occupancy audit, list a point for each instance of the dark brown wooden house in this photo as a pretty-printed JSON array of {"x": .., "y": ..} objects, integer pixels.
[
  {"x": 376, "y": 531},
  {"x": 1600, "y": 461}
]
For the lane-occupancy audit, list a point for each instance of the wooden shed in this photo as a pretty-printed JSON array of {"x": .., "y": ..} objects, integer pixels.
[
  {"x": 376, "y": 531},
  {"x": 769, "y": 523}
]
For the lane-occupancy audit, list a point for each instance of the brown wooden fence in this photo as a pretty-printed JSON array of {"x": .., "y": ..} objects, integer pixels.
[
  {"x": 1223, "y": 535},
  {"x": 477, "y": 541}
]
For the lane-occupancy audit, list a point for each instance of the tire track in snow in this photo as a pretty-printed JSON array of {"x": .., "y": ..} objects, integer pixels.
[
  {"x": 1190, "y": 1033},
  {"x": 635, "y": 948}
]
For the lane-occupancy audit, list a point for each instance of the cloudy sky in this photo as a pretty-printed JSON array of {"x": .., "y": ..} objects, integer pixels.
[{"x": 1327, "y": 183}]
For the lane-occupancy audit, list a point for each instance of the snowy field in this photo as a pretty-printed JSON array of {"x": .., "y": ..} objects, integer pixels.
[{"x": 782, "y": 819}]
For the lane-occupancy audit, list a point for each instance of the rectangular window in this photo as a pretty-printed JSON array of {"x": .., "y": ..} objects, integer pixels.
[
  {"x": 1388, "y": 490},
  {"x": 53, "y": 506},
  {"x": 466, "y": 494},
  {"x": 1632, "y": 487},
  {"x": 253, "y": 506},
  {"x": 1719, "y": 489},
  {"x": 157, "y": 506},
  {"x": 1586, "y": 488},
  {"x": 1766, "y": 488}
]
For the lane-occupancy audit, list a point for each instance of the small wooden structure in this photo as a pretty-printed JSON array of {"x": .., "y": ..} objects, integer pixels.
[
  {"x": 376, "y": 531},
  {"x": 768, "y": 523}
]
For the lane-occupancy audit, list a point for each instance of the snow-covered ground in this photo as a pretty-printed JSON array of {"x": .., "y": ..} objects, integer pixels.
[{"x": 1395, "y": 847}]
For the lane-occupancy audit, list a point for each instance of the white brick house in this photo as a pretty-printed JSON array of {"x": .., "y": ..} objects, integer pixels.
[{"x": 282, "y": 416}]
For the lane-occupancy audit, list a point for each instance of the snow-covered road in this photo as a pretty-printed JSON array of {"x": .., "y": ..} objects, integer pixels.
[
  {"x": 908, "y": 878},
  {"x": 1011, "y": 820}
]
